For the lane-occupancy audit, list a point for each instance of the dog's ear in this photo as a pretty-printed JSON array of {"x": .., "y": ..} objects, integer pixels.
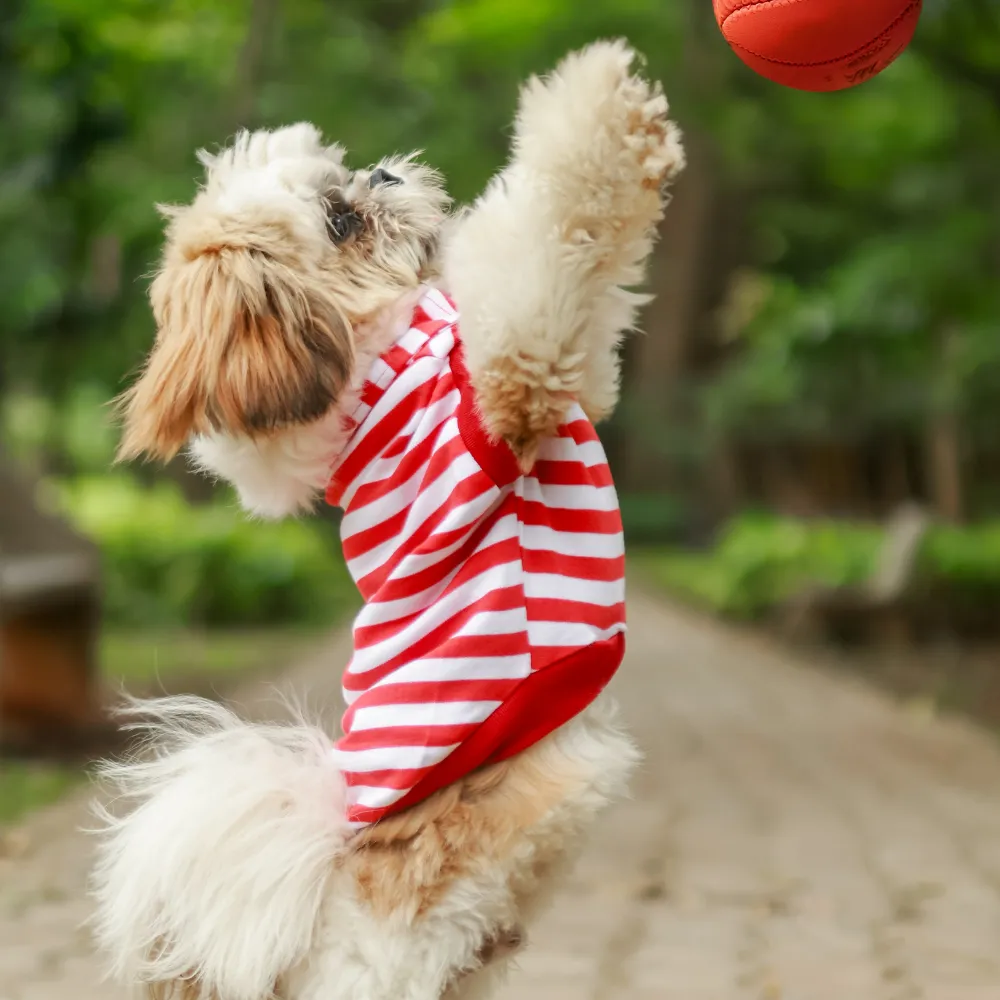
[{"x": 246, "y": 344}]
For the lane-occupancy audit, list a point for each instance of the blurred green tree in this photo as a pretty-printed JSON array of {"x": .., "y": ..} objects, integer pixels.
[{"x": 866, "y": 222}]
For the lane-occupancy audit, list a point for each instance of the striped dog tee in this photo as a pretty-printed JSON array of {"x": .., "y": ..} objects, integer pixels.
[{"x": 494, "y": 600}]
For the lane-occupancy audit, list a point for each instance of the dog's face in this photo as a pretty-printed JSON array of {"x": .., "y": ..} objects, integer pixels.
[{"x": 266, "y": 277}]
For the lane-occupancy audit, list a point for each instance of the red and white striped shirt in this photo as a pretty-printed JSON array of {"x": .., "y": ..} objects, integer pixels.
[{"x": 494, "y": 601}]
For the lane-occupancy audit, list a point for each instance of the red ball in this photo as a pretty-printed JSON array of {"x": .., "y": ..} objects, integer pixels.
[{"x": 817, "y": 44}]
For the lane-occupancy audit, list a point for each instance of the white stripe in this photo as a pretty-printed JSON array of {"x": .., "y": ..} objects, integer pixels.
[
  {"x": 495, "y": 623},
  {"x": 384, "y": 758},
  {"x": 374, "y": 797},
  {"x": 436, "y": 306},
  {"x": 571, "y": 588},
  {"x": 412, "y": 340},
  {"x": 460, "y": 668},
  {"x": 538, "y": 537},
  {"x": 445, "y": 713},
  {"x": 561, "y": 449},
  {"x": 573, "y": 634},
  {"x": 599, "y": 498}
]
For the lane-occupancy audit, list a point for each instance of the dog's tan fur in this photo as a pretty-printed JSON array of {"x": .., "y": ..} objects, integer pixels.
[{"x": 266, "y": 328}]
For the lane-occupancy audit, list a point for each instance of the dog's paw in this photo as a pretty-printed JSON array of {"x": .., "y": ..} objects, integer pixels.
[
  {"x": 597, "y": 130},
  {"x": 649, "y": 138}
]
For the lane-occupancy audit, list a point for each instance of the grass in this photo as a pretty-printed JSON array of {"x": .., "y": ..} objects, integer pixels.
[
  {"x": 145, "y": 663},
  {"x": 27, "y": 786}
]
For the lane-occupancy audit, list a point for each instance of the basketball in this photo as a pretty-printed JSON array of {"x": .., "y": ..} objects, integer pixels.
[{"x": 817, "y": 44}]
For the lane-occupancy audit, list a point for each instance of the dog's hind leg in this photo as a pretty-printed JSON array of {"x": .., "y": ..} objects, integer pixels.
[{"x": 542, "y": 265}]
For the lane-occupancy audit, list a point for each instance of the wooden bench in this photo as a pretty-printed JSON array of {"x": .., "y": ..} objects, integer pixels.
[
  {"x": 49, "y": 627},
  {"x": 877, "y": 606}
]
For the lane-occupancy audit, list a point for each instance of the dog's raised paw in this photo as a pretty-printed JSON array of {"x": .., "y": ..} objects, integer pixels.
[
  {"x": 598, "y": 119},
  {"x": 650, "y": 139}
]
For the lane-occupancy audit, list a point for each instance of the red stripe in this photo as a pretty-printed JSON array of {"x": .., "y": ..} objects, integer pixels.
[
  {"x": 553, "y": 609},
  {"x": 431, "y": 326},
  {"x": 600, "y": 522},
  {"x": 553, "y": 473},
  {"x": 581, "y": 567},
  {"x": 371, "y": 393},
  {"x": 581, "y": 431},
  {"x": 399, "y": 447},
  {"x": 397, "y": 357},
  {"x": 403, "y": 778},
  {"x": 494, "y": 457}
]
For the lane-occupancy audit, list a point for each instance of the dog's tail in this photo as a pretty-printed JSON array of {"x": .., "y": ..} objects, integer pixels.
[{"x": 213, "y": 860}]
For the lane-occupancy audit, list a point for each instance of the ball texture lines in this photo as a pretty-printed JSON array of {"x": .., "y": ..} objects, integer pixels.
[{"x": 817, "y": 44}]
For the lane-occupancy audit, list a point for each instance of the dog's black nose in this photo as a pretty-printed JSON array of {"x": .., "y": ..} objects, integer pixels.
[{"x": 380, "y": 176}]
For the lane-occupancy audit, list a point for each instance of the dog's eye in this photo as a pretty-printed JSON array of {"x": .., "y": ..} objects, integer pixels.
[
  {"x": 380, "y": 176},
  {"x": 342, "y": 224}
]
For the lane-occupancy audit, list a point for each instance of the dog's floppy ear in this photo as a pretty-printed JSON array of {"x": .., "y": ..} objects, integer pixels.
[{"x": 246, "y": 342}]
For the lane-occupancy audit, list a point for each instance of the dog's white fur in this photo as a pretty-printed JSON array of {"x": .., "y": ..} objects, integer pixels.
[
  {"x": 230, "y": 874},
  {"x": 223, "y": 870}
]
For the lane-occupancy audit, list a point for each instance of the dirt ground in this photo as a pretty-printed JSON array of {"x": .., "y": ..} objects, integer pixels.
[{"x": 794, "y": 835}]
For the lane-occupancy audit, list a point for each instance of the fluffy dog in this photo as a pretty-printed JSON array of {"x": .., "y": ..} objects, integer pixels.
[{"x": 306, "y": 344}]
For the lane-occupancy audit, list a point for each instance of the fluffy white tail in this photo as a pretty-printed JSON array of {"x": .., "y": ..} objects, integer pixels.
[{"x": 214, "y": 858}]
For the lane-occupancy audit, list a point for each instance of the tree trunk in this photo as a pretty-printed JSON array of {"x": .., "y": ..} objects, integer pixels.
[
  {"x": 944, "y": 459},
  {"x": 944, "y": 441},
  {"x": 657, "y": 358},
  {"x": 251, "y": 61}
]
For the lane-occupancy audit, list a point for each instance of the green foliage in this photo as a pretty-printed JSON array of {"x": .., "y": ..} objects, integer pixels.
[
  {"x": 870, "y": 216},
  {"x": 651, "y": 518},
  {"x": 759, "y": 560},
  {"x": 874, "y": 229},
  {"x": 78, "y": 435},
  {"x": 24, "y": 787},
  {"x": 168, "y": 563},
  {"x": 962, "y": 566}
]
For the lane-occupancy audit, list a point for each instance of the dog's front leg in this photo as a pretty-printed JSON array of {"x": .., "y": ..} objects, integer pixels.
[{"x": 540, "y": 266}]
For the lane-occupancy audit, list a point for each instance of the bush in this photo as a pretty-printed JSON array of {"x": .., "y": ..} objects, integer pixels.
[
  {"x": 168, "y": 563},
  {"x": 759, "y": 561},
  {"x": 652, "y": 518}
]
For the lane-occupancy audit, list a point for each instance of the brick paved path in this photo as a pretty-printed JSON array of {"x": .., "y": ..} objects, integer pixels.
[{"x": 793, "y": 836}]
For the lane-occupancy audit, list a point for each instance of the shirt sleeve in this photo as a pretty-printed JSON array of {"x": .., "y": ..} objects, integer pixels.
[{"x": 493, "y": 455}]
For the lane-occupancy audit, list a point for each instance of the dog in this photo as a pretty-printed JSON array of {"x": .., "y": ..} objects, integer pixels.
[{"x": 339, "y": 333}]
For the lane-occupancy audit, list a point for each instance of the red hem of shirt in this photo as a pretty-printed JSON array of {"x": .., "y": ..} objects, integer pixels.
[
  {"x": 493, "y": 456},
  {"x": 545, "y": 700}
]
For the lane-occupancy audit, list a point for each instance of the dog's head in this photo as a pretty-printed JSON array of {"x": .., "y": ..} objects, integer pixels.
[{"x": 283, "y": 254}]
